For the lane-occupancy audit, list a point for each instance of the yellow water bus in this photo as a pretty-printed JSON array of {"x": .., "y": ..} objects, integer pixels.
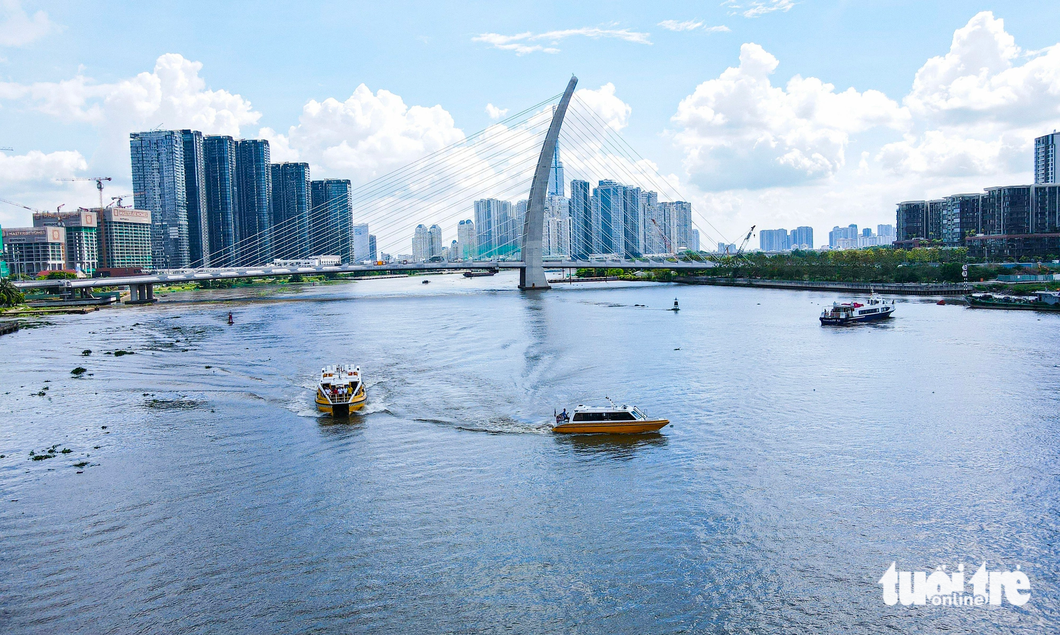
[
  {"x": 341, "y": 390},
  {"x": 607, "y": 420}
]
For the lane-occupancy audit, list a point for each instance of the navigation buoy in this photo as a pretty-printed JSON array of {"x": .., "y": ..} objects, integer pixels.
[
  {"x": 230, "y": 320},
  {"x": 676, "y": 306}
]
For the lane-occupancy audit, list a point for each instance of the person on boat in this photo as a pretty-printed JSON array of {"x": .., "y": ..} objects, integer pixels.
[{"x": 564, "y": 415}]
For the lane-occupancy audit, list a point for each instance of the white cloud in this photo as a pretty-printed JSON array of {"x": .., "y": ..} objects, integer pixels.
[
  {"x": 523, "y": 43},
  {"x": 368, "y": 134},
  {"x": 606, "y": 104},
  {"x": 740, "y": 130},
  {"x": 18, "y": 28},
  {"x": 25, "y": 179},
  {"x": 757, "y": 8},
  {"x": 172, "y": 95},
  {"x": 976, "y": 108},
  {"x": 280, "y": 149},
  {"x": 692, "y": 25},
  {"x": 494, "y": 112}
]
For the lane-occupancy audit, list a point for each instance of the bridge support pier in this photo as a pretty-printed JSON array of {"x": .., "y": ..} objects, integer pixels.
[{"x": 141, "y": 293}]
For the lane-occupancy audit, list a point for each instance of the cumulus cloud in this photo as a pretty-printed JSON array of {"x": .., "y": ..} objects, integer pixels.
[
  {"x": 18, "y": 28},
  {"x": 173, "y": 94},
  {"x": 368, "y": 134},
  {"x": 606, "y": 104},
  {"x": 978, "y": 108},
  {"x": 36, "y": 166},
  {"x": 494, "y": 112},
  {"x": 692, "y": 25},
  {"x": 757, "y": 8},
  {"x": 523, "y": 43},
  {"x": 740, "y": 130}
]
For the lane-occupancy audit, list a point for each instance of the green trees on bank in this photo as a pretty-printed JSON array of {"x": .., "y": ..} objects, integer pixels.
[{"x": 9, "y": 294}]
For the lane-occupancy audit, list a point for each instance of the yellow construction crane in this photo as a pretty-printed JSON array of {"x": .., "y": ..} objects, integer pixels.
[{"x": 99, "y": 184}]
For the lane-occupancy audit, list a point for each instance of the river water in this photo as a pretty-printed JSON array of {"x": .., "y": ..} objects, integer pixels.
[{"x": 802, "y": 461}]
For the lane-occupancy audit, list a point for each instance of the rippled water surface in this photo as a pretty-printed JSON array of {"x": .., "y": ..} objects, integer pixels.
[{"x": 801, "y": 462}]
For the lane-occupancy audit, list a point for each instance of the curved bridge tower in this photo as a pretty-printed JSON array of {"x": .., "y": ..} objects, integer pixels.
[{"x": 532, "y": 276}]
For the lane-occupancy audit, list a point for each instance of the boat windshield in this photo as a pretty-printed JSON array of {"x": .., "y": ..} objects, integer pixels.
[{"x": 621, "y": 415}]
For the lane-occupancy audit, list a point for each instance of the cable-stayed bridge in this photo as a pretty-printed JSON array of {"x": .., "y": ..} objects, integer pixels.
[{"x": 621, "y": 226}]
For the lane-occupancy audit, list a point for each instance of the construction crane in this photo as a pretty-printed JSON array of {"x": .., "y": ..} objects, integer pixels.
[
  {"x": 746, "y": 238},
  {"x": 669, "y": 248},
  {"x": 4, "y": 200},
  {"x": 99, "y": 184},
  {"x": 121, "y": 197}
]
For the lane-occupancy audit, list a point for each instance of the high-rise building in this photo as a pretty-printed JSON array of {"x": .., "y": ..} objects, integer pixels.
[
  {"x": 961, "y": 217},
  {"x": 555, "y": 175},
  {"x": 291, "y": 200},
  {"x": 609, "y": 216},
  {"x": 556, "y": 229},
  {"x": 493, "y": 219},
  {"x": 633, "y": 227},
  {"x": 774, "y": 240},
  {"x": 195, "y": 192},
  {"x": 843, "y": 237},
  {"x": 581, "y": 217},
  {"x": 125, "y": 238},
  {"x": 361, "y": 248},
  {"x": 82, "y": 242},
  {"x": 802, "y": 237},
  {"x": 254, "y": 187},
  {"x": 453, "y": 251},
  {"x": 465, "y": 238},
  {"x": 4, "y": 271},
  {"x": 373, "y": 250},
  {"x": 1045, "y": 158},
  {"x": 331, "y": 219},
  {"x": 683, "y": 224},
  {"x": 222, "y": 199},
  {"x": 911, "y": 221},
  {"x": 32, "y": 250},
  {"x": 693, "y": 241},
  {"x": 159, "y": 187},
  {"x": 421, "y": 244},
  {"x": 434, "y": 246}
]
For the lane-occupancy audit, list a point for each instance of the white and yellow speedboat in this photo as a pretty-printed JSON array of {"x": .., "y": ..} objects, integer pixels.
[
  {"x": 341, "y": 390},
  {"x": 607, "y": 420}
]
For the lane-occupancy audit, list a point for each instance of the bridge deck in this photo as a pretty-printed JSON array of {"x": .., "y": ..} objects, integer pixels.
[{"x": 199, "y": 275}]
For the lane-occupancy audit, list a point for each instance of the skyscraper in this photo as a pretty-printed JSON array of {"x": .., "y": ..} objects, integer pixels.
[
  {"x": 802, "y": 237},
  {"x": 159, "y": 186},
  {"x": 195, "y": 192},
  {"x": 774, "y": 240},
  {"x": 632, "y": 233},
  {"x": 222, "y": 199},
  {"x": 557, "y": 227},
  {"x": 290, "y": 210},
  {"x": 491, "y": 219},
  {"x": 434, "y": 246},
  {"x": 682, "y": 225},
  {"x": 581, "y": 218},
  {"x": 254, "y": 185},
  {"x": 82, "y": 242},
  {"x": 555, "y": 175},
  {"x": 1045, "y": 158},
  {"x": 465, "y": 238},
  {"x": 331, "y": 219},
  {"x": 608, "y": 211},
  {"x": 373, "y": 252},
  {"x": 421, "y": 244},
  {"x": 361, "y": 248}
]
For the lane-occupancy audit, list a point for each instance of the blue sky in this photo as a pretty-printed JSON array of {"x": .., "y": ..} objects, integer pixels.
[{"x": 715, "y": 108}]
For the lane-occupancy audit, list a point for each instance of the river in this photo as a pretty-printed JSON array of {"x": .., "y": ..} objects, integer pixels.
[{"x": 802, "y": 461}]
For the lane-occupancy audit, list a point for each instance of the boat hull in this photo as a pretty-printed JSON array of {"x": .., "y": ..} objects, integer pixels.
[
  {"x": 610, "y": 427},
  {"x": 341, "y": 409},
  {"x": 1013, "y": 306}
]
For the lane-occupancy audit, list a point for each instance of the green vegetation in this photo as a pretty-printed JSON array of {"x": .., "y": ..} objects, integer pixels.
[
  {"x": 930, "y": 264},
  {"x": 10, "y": 295},
  {"x": 77, "y": 372},
  {"x": 58, "y": 275}
]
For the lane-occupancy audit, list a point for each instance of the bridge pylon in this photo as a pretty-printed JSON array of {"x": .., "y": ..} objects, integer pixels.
[{"x": 532, "y": 276}]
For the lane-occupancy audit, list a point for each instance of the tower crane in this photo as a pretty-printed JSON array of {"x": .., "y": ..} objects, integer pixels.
[
  {"x": 99, "y": 184},
  {"x": 4, "y": 200},
  {"x": 746, "y": 238}
]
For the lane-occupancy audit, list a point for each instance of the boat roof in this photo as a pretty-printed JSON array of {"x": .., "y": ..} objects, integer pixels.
[
  {"x": 624, "y": 408},
  {"x": 339, "y": 372}
]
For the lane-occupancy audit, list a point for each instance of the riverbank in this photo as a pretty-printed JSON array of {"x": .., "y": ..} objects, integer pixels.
[{"x": 897, "y": 288}]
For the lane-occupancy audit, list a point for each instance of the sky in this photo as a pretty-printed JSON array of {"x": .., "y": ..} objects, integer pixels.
[{"x": 775, "y": 113}]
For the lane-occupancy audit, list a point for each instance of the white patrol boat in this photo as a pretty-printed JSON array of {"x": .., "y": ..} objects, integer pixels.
[
  {"x": 853, "y": 312},
  {"x": 607, "y": 420},
  {"x": 341, "y": 390}
]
